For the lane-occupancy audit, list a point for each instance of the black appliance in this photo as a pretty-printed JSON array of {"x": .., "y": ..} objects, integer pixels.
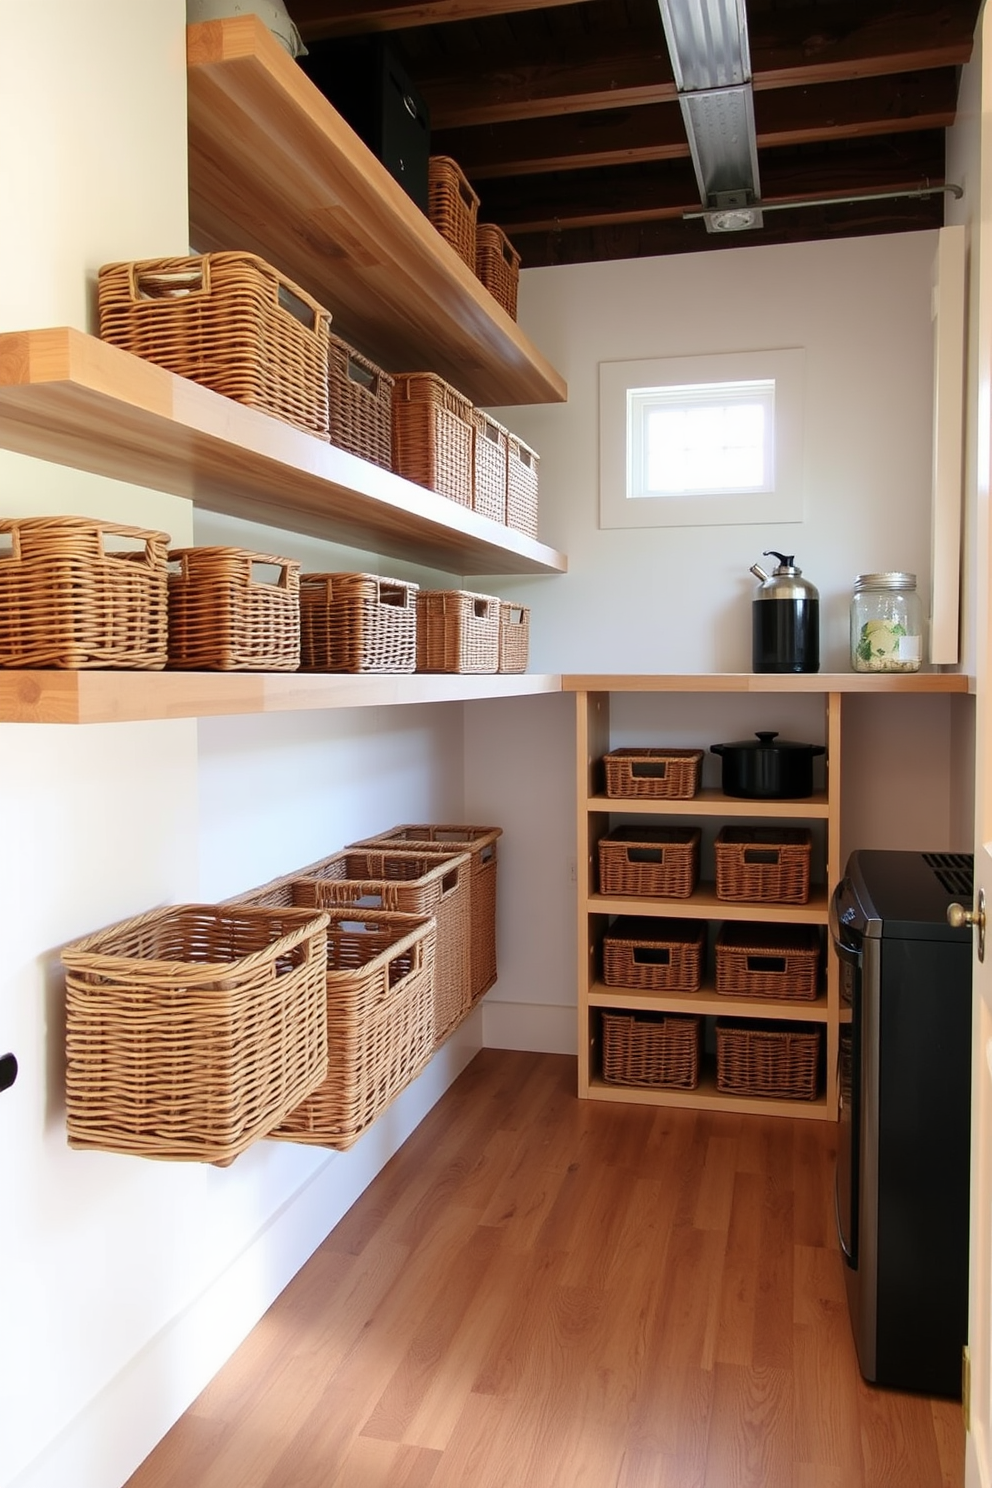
[
  {"x": 369, "y": 87},
  {"x": 902, "y": 1185}
]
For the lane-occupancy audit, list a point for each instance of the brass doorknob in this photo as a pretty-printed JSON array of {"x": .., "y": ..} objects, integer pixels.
[{"x": 958, "y": 917}]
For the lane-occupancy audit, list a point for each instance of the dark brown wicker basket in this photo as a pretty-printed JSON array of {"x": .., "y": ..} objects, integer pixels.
[
  {"x": 224, "y": 615},
  {"x": 229, "y": 321},
  {"x": 457, "y": 631},
  {"x": 360, "y": 404},
  {"x": 768, "y": 961},
  {"x": 776, "y": 1060},
  {"x": 654, "y": 955},
  {"x": 657, "y": 1049},
  {"x": 68, "y": 599},
  {"x": 489, "y": 456},
  {"x": 763, "y": 864},
  {"x": 671, "y": 774},
  {"x": 452, "y": 206},
  {"x": 356, "y": 622},
  {"x": 521, "y": 486},
  {"x": 514, "y": 637},
  {"x": 497, "y": 265},
  {"x": 660, "y": 861},
  {"x": 432, "y": 435}
]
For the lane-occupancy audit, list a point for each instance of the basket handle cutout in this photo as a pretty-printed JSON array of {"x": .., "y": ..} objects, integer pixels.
[
  {"x": 269, "y": 575},
  {"x": 515, "y": 615},
  {"x": 649, "y": 769},
  {"x": 394, "y": 594},
  {"x": 487, "y": 853},
  {"x": 652, "y": 955},
  {"x": 128, "y": 547},
  {"x": 169, "y": 284},
  {"x": 645, "y": 855},
  {"x": 449, "y": 882},
  {"x": 364, "y": 377},
  {"x": 491, "y": 432},
  {"x": 480, "y": 609},
  {"x": 297, "y": 308},
  {"x": 369, "y": 901},
  {"x": 761, "y": 854},
  {"x": 524, "y": 455},
  {"x": 767, "y": 963}
]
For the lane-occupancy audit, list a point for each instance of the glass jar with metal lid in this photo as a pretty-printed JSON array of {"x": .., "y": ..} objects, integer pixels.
[{"x": 886, "y": 623}]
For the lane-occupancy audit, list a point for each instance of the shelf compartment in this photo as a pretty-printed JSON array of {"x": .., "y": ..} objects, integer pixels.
[
  {"x": 74, "y": 400},
  {"x": 712, "y": 802},
  {"x": 275, "y": 170}
]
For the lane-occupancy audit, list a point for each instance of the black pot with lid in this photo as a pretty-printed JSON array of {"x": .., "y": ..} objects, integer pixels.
[
  {"x": 785, "y": 619},
  {"x": 767, "y": 768}
]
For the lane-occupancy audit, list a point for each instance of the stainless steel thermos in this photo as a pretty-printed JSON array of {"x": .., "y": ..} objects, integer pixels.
[{"x": 785, "y": 619}]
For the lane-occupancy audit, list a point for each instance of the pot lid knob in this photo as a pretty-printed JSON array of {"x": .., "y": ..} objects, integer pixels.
[{"x": 766, "y": 736}]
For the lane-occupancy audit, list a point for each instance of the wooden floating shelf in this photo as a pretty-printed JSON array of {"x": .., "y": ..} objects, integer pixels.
[
  {"x": 74, "y": 400},
  {"x": 275, "y": 170},
  {"x": 704, "y": 905},
  {"x": 126, "y": 697},
  {"x": 708, "y": 802},
  {"x": 887, "y": 682}
]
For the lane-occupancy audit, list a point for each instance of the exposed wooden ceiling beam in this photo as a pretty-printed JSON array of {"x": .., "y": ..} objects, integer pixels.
[
  {"x": 848, "y": 110},
  {"x": 317, "y": 19}
]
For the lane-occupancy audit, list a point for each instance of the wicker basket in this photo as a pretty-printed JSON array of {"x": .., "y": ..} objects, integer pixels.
[
  {"x": 654, "y": 955},
  {"x": 229, "y": 321},
  {"x": 193, "y": 1031},
  {"x": 400, "y": 882},
  {"x": 452, "y": 206},
  {"x": 521, "y": 486},
  {"x": 457, "y": 631},
  {"x": 360, "y": 404},
  {"x": 489, "y": 455},
  {"x": 768, "y": 961},
  {"x": 432, "y": 435},
  {"x": 357, "y": 622},
  {"x": 497, "y": 265},
  {"x": 763, "y": 864},
  {"x": 669, "y": 774},
  {"x": 514, "y": 637},
  {"x": 777, "y": 1060},
  {"x": 657, "y": 1049},
  {"x": 481, "y": 845},
  {"x": 649, "y": 861},
  {"x": 67, "y": 599},
  {"x": 225, "y": 616},
  {"x": 379, "y": 993}
]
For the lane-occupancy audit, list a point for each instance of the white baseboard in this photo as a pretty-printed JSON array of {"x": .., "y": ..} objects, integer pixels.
[{"x": 529, "y": 1025}]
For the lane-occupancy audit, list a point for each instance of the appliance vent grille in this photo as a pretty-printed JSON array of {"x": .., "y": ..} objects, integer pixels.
[{"x": 954, "y": 871}]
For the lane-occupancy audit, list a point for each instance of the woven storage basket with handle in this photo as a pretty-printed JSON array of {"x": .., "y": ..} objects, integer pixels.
[
  {"x": 497, "y": 265},
  {"x": 401, "y": 882},
  {"x": 654, "y": 955},
  {"x": 489, "y": 454},
  {"x": 69, "y": 599},
  {"x": 481, "y": 845},
  {"x": 360, "y": 404},
  {"x": 452, "y": 206},
  {"x": 227, "y": 614},
  {"x": 659, "y": 1049},
  {"x": 457, "y": 631},
  {"x": 193, "y": 1031},
  {"x": 356, "y": 622},
  {"x": 229, "y": 321},
  {"x": 514, "y": 637},
  {"x": 660, "y": 861},
  {"x": 763, "y": 864},
  {"x": 768, "y": 961},
  {"x": 767, "y": 1058},
  {"x": 521, "y": 486},
  {"x": 666, "y": 774},
  {"x": 432, "y": 435}
]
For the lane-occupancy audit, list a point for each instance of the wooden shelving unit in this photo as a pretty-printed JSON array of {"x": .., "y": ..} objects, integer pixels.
[
  {"x": 594, "y": 811},
  {"x": 275, "y": 170}
]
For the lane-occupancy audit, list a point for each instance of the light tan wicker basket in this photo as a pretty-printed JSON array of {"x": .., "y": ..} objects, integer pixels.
[
  {"x": 432, "y": 435},
  {"x": 656, "y": 1049},
  {"x": 379, "y": 991},
  {"x": 768, "y": 961},
  {"x": 654, "y": 955},
  {"x": 663, "y": 774},
  {"x": 521, "y": 486},
  {"x": 400, "y": 882},
  {"x": 225, "y": 614},
  {"x": 193, "y": 1031},
  {"x": 662, "y": 861},
  {"x": 452, "y": 206},
  {"x": 229, "y": 321},
  {"x": 69, "y": 599},
  {"x": 489, "y": 456},
  {"x": 481, "y": 845},
  {"x": 771, "y": 1059},
  {"x": 357, "y": 622},
  {"x": 497, "y": 265},
  {"x": 360, "y": 404},
  {"x": 514, "y": 637},
  {"x": 457, "y": 631},
  {"x": 766, "y": 865}
]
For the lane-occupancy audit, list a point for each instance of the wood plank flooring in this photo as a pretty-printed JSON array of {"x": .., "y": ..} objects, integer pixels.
[{"x": 542, "y": 1292}]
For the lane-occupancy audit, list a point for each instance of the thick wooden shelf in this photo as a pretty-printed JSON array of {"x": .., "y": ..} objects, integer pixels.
[
  {"x": 709, "y": 802},
  {"x": 74, "y": 400},
  {"x": 704, "y": 905},
  {"x": 275, "y": 170},
  {"x": 124, "y": 697},
  {"x": 707, "y": 1003},
  {"x": 706, "y": 1097},
  {"x": 824, "y": 682}
]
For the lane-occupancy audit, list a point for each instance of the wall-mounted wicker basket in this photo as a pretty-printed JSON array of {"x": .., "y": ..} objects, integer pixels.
[
  {"x": 489, "y": 457},
  {"x": 521, "y": 486},
  {"x": 497, "y": 265},
  {"x": 432, "y": 435},
  {"x": 360, "y": 404},
  {"x": 452, "y": 206},
  {"x": 357, "y": 622},
  {"x": 232, "y": 610},
  {"x": 514, "y": 637},
  {"x": 457, "y": 631}
]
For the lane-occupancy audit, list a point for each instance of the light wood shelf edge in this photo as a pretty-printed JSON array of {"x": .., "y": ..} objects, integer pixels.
[
  {"x": 706, "y": 1097},
  {"x": 72, "y": 399},
  {"x": 711, "y": 802},
  {"x": 756, "y": 682},
  {"x": 703, "y": 904},
  {"x": 708, "y": 1003}
]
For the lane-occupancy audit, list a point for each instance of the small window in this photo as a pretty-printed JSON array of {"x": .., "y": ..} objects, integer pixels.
[{"x": 721, "y": 446}]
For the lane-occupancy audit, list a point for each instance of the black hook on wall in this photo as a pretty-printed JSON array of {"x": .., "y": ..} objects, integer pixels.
[{"x": 8, "y": 1071}]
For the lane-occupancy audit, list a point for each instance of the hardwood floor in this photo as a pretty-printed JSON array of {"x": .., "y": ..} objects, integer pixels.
[{"x": 542, "y": 1292}]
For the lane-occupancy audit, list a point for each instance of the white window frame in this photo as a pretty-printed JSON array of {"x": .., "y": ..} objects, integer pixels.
[{"x": 622, "y": 503}]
